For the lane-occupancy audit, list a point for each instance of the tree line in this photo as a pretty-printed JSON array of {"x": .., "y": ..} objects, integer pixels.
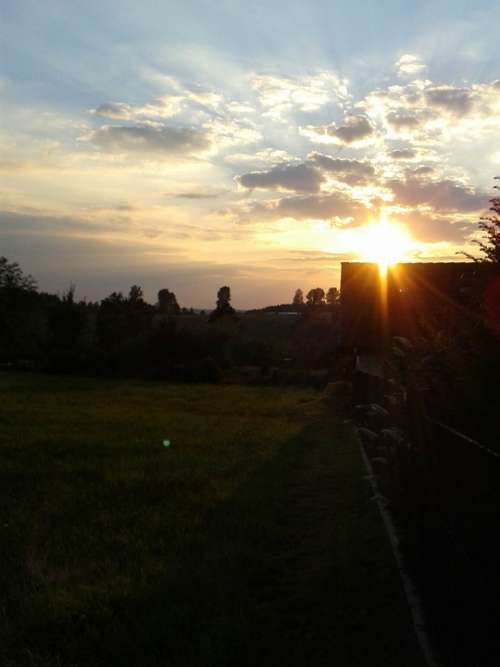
[{"x": 125, "y": 335}]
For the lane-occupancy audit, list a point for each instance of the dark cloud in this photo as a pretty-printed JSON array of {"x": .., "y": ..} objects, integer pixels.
[
  {"x": 40, "y": 223},
  {"x": 496, "y": 84},
  {"x": 117, "y": 110},
  {"x": 304, "y": 207},
  {"x": 457, "y": 101},
  {"x": 356, "y": 129},
  {"x": 444, "y": 195},
  {"x": 151, "y": 140},
  {"x": 430, "y": 228},
  {"x": 350, "y": 171},
  {"x": 152, "y": 233},
  {"x": 199, "y": 194},
  {"x": 295, "y": 177},
  {"x": 424, "y": 170},
  {"x": 402, "y": 120},
  {"x": 316, "y": 257},
  {"x": 402, "y": 154}
]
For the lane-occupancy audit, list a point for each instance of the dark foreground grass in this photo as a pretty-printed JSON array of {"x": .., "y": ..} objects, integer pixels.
[{"x": 249, "y": 541}]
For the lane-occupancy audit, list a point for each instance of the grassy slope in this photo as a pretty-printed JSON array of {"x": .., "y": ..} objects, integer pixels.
[{"x": 249, "y": 541}]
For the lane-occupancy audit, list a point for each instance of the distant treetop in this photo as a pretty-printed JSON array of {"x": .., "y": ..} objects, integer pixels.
[{"x": 11, "y": 275}]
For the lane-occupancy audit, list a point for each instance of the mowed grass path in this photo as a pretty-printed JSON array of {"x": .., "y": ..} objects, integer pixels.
[{"x": 249, "y": 541}]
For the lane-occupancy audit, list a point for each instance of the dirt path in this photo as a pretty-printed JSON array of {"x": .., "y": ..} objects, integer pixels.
[{"x": 333, "y": 594}]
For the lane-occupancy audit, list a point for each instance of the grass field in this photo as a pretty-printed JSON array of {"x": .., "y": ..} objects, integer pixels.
[{"x": 250, "y": 540}]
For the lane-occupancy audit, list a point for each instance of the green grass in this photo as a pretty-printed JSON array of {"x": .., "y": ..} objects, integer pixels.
[{"x": 249, "y": 541}]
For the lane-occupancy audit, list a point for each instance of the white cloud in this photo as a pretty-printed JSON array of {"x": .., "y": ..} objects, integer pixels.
[
  {"x": 409, "y": 65},
  {"x": 161, "y": 107},
  {"x": 266, "y": 155},
  {"x": 226, "y": 132},
  {"x": 280, "y": 95}
]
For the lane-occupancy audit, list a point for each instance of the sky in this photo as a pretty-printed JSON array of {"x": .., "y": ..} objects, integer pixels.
[{"x": 188, "y": 145}]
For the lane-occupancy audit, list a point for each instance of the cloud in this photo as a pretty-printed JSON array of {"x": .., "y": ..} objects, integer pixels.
[
  {"x": 161, "y": 107},
  {"x": 298, "y": 178},
  {"x": 409, "y": 64},
  {"x": 344, "y": 169},
  {"x": 40, "y": 222},
  {"x": 402, "y": 120},
  {"x": 429, "y": 228},
  {"x": 456, "y": 101},
  {"x": 266, "y": 155},
  {"x": 335, "y": 206},
  {"x": 444, "y": 195},
  {"x": 424, "y": 170},
  {"x": 197, "y": 194},
  {"x": 430, "y": 113},
  {"x": 315, "y": 257},
  {"x": 149, "y": 140},
  {"x": 355, "y": 131},
  {"x": 226, "y": 132},
  {"x": 402, "y": 154},
  {"x": 279, "y": 95}
]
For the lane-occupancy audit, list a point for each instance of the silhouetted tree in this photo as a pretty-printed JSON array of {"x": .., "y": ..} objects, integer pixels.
[
  {"x": 224, "y": 308},
  {"x": 21, "y": 319},
  {"x": 67, "y": 320},
  {"x": 316, "y": 297},
  {"x": 135, "y": 294},
  {"x": 167, "y": 302},
  {"x": 490, "y": 225},
  {"x": 223, "y": 297},
  {"x": 111, "y": 322},
  {"x": 164, "y": 340},
  {"x": 489, "y": 245},
  {"x": 298, "y": 299},
  {"x": 332, "y": 296},
  {"x": 12, "y": 276}
]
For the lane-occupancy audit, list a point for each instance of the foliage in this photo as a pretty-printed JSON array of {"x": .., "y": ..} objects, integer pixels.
[
  {"x": 21, "y": 321},
  {"x": 489, "y": 245},
  {"x": 332, "y": 296},
  {"x": 223, "y": 308},
  {"x": 167, "y": 302},
  {"x": 298, "y": 298},
  {"x": 125, "y": 336},
  {"x": 315, "y": 297},
  {"x": 12, "y": 276}
]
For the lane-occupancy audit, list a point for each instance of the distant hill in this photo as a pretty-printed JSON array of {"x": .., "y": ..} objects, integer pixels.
[{"x": 278, "y": 308}]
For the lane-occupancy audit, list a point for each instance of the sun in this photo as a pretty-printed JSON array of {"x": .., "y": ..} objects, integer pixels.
[{"x": 382, "y": 242}]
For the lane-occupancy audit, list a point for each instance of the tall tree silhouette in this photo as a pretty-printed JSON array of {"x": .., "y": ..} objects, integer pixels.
[
  {"x": 298, "y": 299},
  {"x": 20, "y": 317},
  {"x": 489, "y": 244},
  {"x": 167, "y": 302},
  {"x": 332, "y": 296},
  {"x": 223, "y": 308},
  {"x": 316, "y": 297}
]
